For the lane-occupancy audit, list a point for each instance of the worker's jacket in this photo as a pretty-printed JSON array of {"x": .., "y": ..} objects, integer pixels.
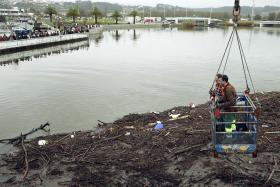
[
  {"x": 229, "y": 98},
  {"x": 218, "y": 92}
]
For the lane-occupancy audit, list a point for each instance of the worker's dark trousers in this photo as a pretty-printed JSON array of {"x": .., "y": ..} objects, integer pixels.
[{"x": 228, "y": 118}]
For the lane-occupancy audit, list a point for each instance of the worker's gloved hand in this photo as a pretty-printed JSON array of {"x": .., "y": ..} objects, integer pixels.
[
  {"x": 247, "y": 91},
  {"x": 217, "y": 113}
]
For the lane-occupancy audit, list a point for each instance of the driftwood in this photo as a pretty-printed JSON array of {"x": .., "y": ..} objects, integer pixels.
[
  {"x": 187, "y": 149},
  {"x": 272, "y": 172},
  {"x": 25, "y": 159},
  {"x": 101, "y": 123},
  {"x": 18, "y": 139},
  {"x": 277, "y": 132}
]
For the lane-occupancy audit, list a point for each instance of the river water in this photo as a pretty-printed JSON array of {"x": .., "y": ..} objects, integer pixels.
[{"x": 126, "y": 71}]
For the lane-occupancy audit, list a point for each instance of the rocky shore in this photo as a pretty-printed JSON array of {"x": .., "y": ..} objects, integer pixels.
[{"x": 130, "y": 152}]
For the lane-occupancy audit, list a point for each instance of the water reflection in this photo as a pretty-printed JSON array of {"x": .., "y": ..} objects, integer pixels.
[
  {"x": 15, "y": 58},
  {"x": 116, "y": 35},
  {"x": 135, "y": 35},
  {"x": 96, "y": 38},
  {"x": 272, "y": 31}
]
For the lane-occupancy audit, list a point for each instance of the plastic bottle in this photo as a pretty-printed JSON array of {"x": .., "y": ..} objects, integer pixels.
[{"x": 42, "y": 142}]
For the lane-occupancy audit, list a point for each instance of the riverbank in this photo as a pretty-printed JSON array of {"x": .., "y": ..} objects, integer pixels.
[
  {"x": 130, "y": 152},
  {"x": 34, "y": 43},
  {"x": 131, "y": 26},
  {"x": 42, "y": 52}
]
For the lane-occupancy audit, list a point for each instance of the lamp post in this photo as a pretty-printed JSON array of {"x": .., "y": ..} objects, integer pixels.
[{"x": 253, "y": 7}]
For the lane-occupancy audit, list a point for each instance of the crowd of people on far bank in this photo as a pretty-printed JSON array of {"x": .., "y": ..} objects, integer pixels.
[{"x": 36, "y": 33}]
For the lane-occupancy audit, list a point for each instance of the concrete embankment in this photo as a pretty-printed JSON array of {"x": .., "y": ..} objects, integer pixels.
[
  {"x": 27, "y": 54},
  {"x": 131, "y": 26},
  {"x": 35, "y": 43}
]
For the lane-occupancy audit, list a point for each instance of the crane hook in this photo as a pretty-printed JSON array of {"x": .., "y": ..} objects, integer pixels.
[{"x": 236, "y": 11}]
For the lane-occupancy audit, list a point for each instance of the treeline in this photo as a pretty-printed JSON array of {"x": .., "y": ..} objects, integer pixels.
[{"x": 160, "y": 10}]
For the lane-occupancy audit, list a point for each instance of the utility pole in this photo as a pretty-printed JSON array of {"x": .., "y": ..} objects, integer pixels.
[
  {"x": 164, "y": 12},
  {"x": 253, "y": 13},
  {"x": 150, "y": 12},
  {"x": 174, "y": 12},
  {"x": 186, "y": 12}
]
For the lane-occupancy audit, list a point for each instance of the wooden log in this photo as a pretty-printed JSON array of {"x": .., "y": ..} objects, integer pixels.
[{"x": 17, "y": 139}]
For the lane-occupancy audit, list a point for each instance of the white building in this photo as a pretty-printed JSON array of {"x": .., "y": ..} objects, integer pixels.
[
  {"x": 130, "y": 19},
  {"x": 15, "y": 13},
  {"x": 196, "y": 20}
]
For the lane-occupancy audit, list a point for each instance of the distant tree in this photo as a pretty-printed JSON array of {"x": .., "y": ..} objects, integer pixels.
[
  {"x": 116, "y": 15},
  {"x": 2, "y": 18},
  {"x": 249, "y": 16},
  {"x": 226, "y": 16},
  {"x": 96, "y": 13},
  {"x": 50, "y": 10},
  {"x": 134, "y": 13},
  {"x": 84, "y": 13},
  {"x": 272, "y": 16},
  {"x": 257, "y": 17},
  {"x": 35, "y": 11},
  {"x": 278, "y": 16},
  {"x": 74, "y": 13}
]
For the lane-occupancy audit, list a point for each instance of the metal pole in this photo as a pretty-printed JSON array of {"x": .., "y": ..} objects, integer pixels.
[{"x": 253, "y": 7}]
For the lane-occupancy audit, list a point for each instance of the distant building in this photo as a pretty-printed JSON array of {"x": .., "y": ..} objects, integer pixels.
[
  {"x": 200, "y": 21},
  {"x": 129, "y": 19},
  {"x": 15, "y": 13}
]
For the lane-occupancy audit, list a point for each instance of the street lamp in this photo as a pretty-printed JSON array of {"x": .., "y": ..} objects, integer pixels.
[{"x": 164, "y": 11}]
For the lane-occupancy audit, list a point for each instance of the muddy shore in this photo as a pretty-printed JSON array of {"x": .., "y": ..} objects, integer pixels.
[{"x": 129, "y": 152}]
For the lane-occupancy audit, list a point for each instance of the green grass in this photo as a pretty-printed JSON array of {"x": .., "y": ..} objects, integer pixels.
[{"x": 186, "y": 25}]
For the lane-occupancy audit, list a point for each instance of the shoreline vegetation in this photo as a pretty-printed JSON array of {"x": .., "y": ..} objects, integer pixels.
[{"x": 130, "y": 152}]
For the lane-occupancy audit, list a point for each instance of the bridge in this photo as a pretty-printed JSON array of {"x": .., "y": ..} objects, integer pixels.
[{"x": 269, "y": 23}]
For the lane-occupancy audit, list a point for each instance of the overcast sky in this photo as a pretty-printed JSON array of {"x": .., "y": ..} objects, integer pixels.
[{"x": 193, "y": 3}]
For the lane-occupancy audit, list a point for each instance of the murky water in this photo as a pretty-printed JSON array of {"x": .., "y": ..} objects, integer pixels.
[{"x": 126, "y": 71}]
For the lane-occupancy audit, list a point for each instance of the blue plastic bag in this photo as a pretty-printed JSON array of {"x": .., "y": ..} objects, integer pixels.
[{"x": 159, "y": 125}]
